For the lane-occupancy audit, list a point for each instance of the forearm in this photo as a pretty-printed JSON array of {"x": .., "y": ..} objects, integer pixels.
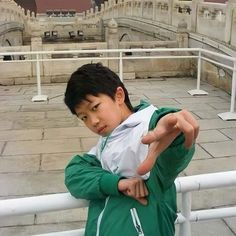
[{"x": 85, "y": 178}]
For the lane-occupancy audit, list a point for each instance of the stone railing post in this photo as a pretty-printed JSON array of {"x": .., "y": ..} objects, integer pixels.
[
  {"x": 132, "y": 6},
  {"x": 154, "y": 5},
  {"x": 170, "y": 11},
  {"x": 182, "y": 34},
  {"x": 194, "y": 15},
  {"x": 231, "y": 4},
  {"x": 112, "y": 39},
  {"x": 141, "y": 8}
]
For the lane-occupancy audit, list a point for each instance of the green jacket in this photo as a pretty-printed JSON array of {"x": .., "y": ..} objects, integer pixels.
[{"x": 110, "y": 212}]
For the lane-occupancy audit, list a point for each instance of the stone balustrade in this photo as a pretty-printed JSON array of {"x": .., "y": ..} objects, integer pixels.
[
  {"x": 11, "y": 12},
  {"x": 214, "y": 20}
]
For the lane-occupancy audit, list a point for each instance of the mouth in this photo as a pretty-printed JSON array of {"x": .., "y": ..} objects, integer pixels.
[{"x": 101, "y": 130}]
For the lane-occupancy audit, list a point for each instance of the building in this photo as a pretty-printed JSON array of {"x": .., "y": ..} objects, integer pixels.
[
  {"x": 27, "y": 4},
  {"x": 42, "y": 6}
]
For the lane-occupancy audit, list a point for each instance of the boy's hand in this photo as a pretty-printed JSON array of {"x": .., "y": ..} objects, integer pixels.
[
  {"x": 135, "y": 188},
  {"x": 167, "y": 129}
]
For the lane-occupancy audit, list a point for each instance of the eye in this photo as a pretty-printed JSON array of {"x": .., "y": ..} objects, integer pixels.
[
  {"x": 83, "y": 118},
  {"x": 94, "y": 108}
]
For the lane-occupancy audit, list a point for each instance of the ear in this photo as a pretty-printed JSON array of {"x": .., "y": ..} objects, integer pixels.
[{"x": 120, "y": 95}]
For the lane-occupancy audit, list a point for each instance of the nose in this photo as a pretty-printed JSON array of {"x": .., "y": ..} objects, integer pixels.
[{"x": 94, "y": 120}]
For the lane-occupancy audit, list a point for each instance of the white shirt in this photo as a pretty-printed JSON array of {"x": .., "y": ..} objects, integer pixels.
[{"x": 122, "y": 151}]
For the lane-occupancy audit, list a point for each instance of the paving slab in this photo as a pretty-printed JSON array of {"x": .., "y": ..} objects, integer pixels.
[
  {"x": 195, "y": 106},
  {"x": 68, "y": 132},
  {"x": 45, "y": 123},
  {"x": 206, "y": 136},
  {"x": 211, "y": 114},
  {"x": 225, "y": 105},
  {"x": 55, "y": 161},
  {"x": 16, "y": 102},
  {"x": 43, "y": 107},
  {"x": 22, "y": 163},
  {"x": 5, "y": 125},
  {"x": 216, "y": 123},
  {"x": 88, "y": 143},
  {"x": 40, "y": 229},
  {"x": 221, "y": 149},
  {"x": 210, "y": 228},
  {"x": 13, "y": 135},
  {"x": 72, "y": 215},
  {"x": 2, "y": 144},
  {"x": 9, "y": 108},
  {"x": 231, "y": 222},
  {"x": 56, "y": 114},
  {"x": 213, "y": 198},
  {"x": 42, "y": 146},
  {"x": 204, "y": 166},
  {"x": 231, "y": 133},
  {"x": 16, "y": 220},
  {"x": 200, "y": 153},
  {"x": 14, "y": 115},
  {"x": 201, "y": 100},
  {"x": 21, "y": 184}
]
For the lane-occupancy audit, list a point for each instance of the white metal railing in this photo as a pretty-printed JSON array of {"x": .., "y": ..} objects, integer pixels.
[
  {"x": 184, "y": 185},
  {"x": 108, "y": 54}
]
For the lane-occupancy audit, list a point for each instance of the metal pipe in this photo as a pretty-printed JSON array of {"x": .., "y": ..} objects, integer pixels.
[
  {"x": 121, "y": 67},
  {"x": 62, "y": 201},
  {"x": 38, "y": 75},
  {"x": 199, "y": 70},
  {"x": 205, "y": 181},
  {"x": 37, "y": 204},
  {"x": 208, "y": 214},
  {"x": 233, "y": 90},
  {"x": 185, "y": 227},
  {"x": 211, "y": 214},
  {"x": 77, "y": 232}
]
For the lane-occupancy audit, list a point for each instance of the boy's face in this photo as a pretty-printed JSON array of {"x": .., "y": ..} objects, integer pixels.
[{"x": 101, "y": 114}]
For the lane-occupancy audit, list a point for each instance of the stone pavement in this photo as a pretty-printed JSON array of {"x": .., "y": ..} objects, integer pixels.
[{"x": 38, "y": 139}]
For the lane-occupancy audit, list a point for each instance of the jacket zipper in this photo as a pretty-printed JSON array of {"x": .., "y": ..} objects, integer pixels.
[
  {"x": 100, "y": 218},
  {"x": 136, "y": 222}
]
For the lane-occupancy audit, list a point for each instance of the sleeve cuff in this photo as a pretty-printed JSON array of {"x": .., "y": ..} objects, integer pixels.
[{"x": 109, "y": 184}]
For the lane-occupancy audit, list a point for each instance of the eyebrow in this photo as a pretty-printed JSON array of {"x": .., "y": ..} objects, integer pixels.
[{"x": 85, "y": 99}]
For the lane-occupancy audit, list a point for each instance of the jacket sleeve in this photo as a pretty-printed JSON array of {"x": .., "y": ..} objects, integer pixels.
[
  {"x": 85, "y": 178},
  {"x": 173, "y": 161},
  {"x": 175, "y": 158}
]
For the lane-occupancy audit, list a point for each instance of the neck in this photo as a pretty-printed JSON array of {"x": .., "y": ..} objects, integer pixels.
[{"x": 126, "y": 112}]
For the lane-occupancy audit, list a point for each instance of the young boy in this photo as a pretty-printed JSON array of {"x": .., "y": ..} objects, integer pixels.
[{"x": 130, "y": 184}]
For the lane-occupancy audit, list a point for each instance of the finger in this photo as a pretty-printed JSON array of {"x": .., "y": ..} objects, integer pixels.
[
  {"x": 188, "y": 126},
  {"x": 143, "y": 190},
  {"x": 142, "y": 200},
  {"x": 189, "y": 117},
  {"x": 155, "y": 149},
  {"x": 138, "y": 189},
  {"x": 150, "y": 160},
  {"x": 131, "y": 191},
  {"x": 165, "y": 125}
]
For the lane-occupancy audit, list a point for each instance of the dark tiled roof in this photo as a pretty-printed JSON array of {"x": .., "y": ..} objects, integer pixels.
[
  {"x": 217, "y": 1},
  {"x": 78, "y": 5},
  {"x": 41, "y": 6},
  {"x": 27, "y": 4}
]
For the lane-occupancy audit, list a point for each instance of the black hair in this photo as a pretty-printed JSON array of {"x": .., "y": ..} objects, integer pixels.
[{"x": 93, "y": 79}]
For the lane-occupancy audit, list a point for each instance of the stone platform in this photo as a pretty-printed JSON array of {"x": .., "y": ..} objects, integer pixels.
[{"x": 38, "y": 139}]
